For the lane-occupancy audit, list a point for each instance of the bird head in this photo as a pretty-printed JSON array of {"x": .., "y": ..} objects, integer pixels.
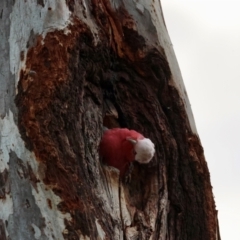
[{"x": 144, "y": 149}]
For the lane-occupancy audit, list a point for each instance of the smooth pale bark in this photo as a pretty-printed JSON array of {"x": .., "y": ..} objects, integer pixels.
[{"x": 68, "y": 68}]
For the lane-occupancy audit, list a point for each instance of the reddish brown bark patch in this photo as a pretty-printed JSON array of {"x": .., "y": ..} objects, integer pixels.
[
  {"x": 61, "y": 95},
  {"x": 47, "y": 70},
  {"x": 201, "y": 168},
  {"x": 123, "y": 37},
  {"x": 190, "y": 190}
]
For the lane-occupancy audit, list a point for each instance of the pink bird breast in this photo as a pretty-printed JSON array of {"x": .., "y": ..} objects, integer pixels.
[{"x": 118, "y": 146}]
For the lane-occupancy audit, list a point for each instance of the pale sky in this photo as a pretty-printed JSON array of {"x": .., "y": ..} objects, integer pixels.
[{"x": 206, "y": 40}]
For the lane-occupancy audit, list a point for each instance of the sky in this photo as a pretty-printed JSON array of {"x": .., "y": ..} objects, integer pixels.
[{"x": 206, "y": 39}]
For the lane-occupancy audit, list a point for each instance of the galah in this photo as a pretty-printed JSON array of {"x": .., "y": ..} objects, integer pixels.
[{"x": 120, "y": 146}]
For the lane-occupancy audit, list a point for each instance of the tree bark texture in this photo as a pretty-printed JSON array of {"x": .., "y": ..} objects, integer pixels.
[{"x": 68, "y": 68}]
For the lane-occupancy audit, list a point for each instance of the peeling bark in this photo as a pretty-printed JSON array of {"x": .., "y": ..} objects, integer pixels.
[{"x": 107, "y": 63}]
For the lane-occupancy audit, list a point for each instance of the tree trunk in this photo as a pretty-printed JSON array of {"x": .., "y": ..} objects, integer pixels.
[{"x": 68, "y": 68}]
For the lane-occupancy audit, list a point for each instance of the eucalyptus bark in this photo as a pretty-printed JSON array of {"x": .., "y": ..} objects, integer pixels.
[{"x": 68, "y": 68}]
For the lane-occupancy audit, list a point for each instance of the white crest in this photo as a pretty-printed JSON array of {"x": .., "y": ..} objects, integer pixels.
[{"x": 145, "y": 150}]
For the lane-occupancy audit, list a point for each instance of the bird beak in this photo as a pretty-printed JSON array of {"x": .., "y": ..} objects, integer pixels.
[{"x": 132, "y": 141}]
